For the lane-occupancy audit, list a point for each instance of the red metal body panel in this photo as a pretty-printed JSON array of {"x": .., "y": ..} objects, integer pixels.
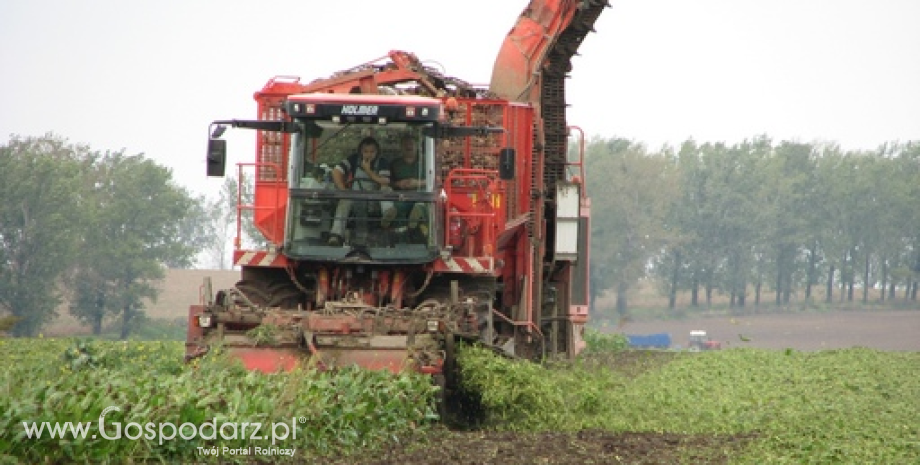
[
  {"x": 271, "y": 191},
  {"x": 518, "y": 65},
  {"x": 273, "y": 360},
  {"x": 267, "y": 359}
]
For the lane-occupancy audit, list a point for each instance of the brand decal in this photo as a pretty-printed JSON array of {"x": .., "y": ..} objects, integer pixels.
[{"x": 359, "y": 110}]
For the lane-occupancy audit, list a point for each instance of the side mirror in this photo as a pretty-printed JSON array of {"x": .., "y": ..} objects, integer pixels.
[
  {"x": 506, "y": 164},
  {"x": 217, "y": 157}
]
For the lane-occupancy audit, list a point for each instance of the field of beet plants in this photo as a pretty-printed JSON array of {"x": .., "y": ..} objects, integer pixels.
[
  {"x": 59, "y": 381},
  {"x": 856, "y": 405}
]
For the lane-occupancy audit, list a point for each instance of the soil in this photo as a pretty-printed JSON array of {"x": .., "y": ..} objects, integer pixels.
[
  {"x": 443, "y": 446},
  {"x": 583, "y": 447}
]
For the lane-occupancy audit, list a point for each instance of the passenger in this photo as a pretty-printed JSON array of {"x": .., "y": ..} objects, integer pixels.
[
  {"x": 408, "y": 175},
  {"x": 365, "y": 170}
]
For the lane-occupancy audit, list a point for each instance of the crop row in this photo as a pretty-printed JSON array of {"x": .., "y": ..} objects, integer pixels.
[
  {"x": 58, "y": 381},
  {"x": 839, "y": 406}
]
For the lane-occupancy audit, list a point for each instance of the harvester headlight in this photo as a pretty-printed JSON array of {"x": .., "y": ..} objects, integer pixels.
[
  {"x": 204, "y": 320},
  {"x": 433, "y": 326}
]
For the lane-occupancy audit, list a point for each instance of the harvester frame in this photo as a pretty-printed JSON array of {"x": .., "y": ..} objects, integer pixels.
[{"x": 500, "y": 259}]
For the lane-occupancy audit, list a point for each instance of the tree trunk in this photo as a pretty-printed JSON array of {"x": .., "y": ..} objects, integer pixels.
[
  {"x": 916, "y": 269},
  {"x": 884, "y": 286},
  {"x": 891, "y": 289},
  {"x": 787, "y": 287},
  {"x": 695, "y": 293},
  {"x": 779, "y": 281},
  {"x": 100, "y": 313},
  {"x": 621, "y": 298},
  {"x": 844, "y": 276},
  {"x": 125, "y": 322},
  {"x": 710, "y": 273},
  {"x": 97, "y": 325},
  {"x": 830, "y": 285},
  {"x": 865, "y": 297},
  {"x": 675, "y": 278},
  {"x": 851, "y": 275},
  {"x": 737, "y": 288},
  {"x": 787, "y": 294},
  {"x": 812, "y": 268}
]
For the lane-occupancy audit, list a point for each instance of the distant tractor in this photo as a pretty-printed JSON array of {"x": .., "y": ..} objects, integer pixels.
[{"x": 699, "y": 340}]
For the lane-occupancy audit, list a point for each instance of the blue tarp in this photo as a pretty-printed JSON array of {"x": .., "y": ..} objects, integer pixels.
[{"x": 658, "y": 341}]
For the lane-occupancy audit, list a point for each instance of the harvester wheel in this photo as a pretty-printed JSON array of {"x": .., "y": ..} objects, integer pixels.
[
  {"x": 283, "y": 295},
  {"x": 254, "y": 291}
]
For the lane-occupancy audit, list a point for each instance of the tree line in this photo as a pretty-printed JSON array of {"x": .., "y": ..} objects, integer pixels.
[
  {"x": 97, "y": 230},
  {"x": 759, "y": 221}
]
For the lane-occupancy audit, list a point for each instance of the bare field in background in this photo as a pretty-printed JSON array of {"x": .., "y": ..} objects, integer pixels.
[
  {"x": 884, "y": 328},
  {"x": 180, "y": 289},
  {"x": 799, "y": 325},
  {"x": 876, "y": 329}
]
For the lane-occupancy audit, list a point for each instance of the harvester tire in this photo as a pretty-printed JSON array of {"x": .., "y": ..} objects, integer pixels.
[{"x": 254, "y": 291}]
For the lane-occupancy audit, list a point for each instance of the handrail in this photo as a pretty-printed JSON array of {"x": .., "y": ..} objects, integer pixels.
[
  {"x": 581, "y": 160},
  {"x": 237, "y": 241},
  {"x": 484, "y": 183}
]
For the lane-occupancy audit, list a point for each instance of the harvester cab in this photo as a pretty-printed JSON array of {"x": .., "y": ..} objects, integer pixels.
[{"x": 369, "y": 211}]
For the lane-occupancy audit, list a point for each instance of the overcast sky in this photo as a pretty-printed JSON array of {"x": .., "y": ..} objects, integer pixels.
[{"x": 149, "y": 76}]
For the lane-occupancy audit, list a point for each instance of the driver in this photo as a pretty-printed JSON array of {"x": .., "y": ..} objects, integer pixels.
[{"x": 364, "y": 170}]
